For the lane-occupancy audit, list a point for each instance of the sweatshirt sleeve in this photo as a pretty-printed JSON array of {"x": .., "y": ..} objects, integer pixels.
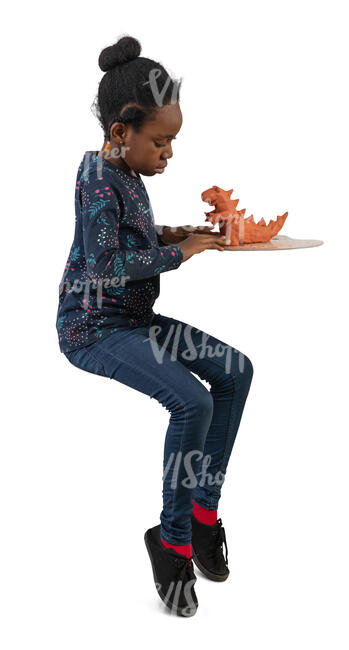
[
  {"x": 104, "y": 257},
  {"x": 159, "y": 231}
]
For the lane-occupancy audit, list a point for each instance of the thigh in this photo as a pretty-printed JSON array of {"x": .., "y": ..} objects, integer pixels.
[
  {"x": 128, "y": 355},
  {"x": 209, "y": 357},
  {"x": 85, "y": 359}
]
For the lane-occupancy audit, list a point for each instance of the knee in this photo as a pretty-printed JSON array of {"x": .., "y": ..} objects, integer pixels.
[
  {"x": 247, "y": 368},
  {"x": 202, "y": 403},
  {"x": 241, "y": 374}
]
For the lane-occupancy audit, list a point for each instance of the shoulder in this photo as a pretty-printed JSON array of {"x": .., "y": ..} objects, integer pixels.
[
  {"x": 98, "y": 192},
  {"x": 97, "y": 180},
  {"x": 97, "y": 173}
]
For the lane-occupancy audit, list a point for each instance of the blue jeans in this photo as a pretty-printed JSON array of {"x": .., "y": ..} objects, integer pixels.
[{"x": 159, "y": 360}]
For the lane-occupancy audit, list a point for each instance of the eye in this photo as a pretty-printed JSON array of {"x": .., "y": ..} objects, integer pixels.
[{"x": 158, "y": 144}]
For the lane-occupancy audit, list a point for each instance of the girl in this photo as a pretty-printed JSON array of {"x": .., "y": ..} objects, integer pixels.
[{"x": 106, "y": 324}]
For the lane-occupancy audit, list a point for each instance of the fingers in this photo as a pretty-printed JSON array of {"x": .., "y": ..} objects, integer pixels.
[
  {"x": 206, "y": 240},
  {"x": 220, "y": 242},
  {"x": 187, "y": 228},
  {"x": 211, "y": 237},
  {"x": 205, "y": 228},
  {"x": 217, "y": 243}
]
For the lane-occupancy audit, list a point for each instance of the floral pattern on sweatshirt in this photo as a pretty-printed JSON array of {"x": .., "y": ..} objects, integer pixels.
[{"x": 112, "y": 274}]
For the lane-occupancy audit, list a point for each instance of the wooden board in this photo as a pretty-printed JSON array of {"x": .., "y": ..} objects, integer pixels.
[{"x": 278, "y": 243}]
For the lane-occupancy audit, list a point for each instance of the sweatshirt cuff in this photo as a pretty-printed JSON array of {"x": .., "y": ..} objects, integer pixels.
[
  {"x": 159, "y": 231},
  {"x": 178, "y": 254}
]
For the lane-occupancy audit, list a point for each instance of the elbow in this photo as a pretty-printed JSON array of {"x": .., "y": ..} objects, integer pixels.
[{"x": 105, "y": 278}]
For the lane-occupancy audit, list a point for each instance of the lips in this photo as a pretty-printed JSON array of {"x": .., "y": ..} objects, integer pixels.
[{"x": 161, "y": 167}]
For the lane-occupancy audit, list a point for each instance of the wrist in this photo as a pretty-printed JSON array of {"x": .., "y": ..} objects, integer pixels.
[{"x": 167, "y": 235}]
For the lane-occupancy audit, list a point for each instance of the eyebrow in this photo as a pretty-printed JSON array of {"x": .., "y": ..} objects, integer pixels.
[{"x": 159, "y": 135}]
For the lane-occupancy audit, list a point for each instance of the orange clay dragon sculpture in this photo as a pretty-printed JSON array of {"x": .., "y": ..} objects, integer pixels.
[{"x": 232, "y": 223}]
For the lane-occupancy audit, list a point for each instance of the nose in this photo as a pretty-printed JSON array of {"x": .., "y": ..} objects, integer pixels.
[{"x": 167, "y": 153}]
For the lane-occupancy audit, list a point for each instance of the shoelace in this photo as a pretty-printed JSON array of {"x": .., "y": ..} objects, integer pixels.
[
  {"x": 219, "y": 533},
  {"x": 221, "y": 539},
  {"x": 186, "y": 565}
]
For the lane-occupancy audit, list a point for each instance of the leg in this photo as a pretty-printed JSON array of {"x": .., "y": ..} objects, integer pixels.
[
  {"x": 229, "y": 373},
  {"x": 127, "y": 356}
]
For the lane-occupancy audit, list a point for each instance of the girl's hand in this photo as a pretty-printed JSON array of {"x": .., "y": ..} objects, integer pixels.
[
  {"x": 176, "y": 234},
  {"x": 197, "y": 243}
]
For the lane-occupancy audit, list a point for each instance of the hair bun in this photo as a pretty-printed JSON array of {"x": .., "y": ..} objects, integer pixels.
[{"x": 126, "y": 49}]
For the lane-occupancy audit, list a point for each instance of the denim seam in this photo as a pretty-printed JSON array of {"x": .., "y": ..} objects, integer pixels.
[
  {"x": 97, "y": 361},
  {"x": 217, "y": 364},
  {"x": 185, "y": 424},
  {"x": 213, "y": 502},
  {"x": 175, "y": 492}
]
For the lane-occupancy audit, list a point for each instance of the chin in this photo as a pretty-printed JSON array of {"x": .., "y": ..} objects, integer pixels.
[{"x": 148, "y": 173}]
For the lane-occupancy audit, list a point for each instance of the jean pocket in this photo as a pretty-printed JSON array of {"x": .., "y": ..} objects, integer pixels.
[{"x": 85, "y": 360}]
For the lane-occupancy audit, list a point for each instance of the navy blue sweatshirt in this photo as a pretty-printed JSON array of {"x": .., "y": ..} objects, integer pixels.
[{"x": 111, "y": 277}]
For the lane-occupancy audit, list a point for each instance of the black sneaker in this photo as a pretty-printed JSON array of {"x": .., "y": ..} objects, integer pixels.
[
  {"x": 207, "y": 545},
  {"x": 173, "y": 575}
]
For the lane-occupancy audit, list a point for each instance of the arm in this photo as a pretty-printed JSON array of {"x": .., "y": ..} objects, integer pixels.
[
  {"x": 176, "y": 234},
  {"x": 106, "y": 260},
  {"x": 159, "y": 232}
]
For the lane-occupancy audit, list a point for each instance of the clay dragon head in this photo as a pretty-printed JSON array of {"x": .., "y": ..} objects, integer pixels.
[{"x": 232, "y": 223}]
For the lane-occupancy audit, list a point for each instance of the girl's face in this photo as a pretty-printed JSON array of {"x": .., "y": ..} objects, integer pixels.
[{"x": 147, "y": 152}]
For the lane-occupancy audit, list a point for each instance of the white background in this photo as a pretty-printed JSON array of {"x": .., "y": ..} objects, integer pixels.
[{"x": 265, "y": 111}]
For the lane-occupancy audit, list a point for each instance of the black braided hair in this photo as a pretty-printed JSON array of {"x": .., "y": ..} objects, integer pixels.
[{"x": 124, "y": 92}]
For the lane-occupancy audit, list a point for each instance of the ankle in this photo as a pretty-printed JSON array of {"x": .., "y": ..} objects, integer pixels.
[
  {"x": 205, "y": 516},
  {"x": 183, "y": 549}
]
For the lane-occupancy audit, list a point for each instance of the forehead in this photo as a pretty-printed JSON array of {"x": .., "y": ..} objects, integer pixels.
[{"x": 166, "y": 123}]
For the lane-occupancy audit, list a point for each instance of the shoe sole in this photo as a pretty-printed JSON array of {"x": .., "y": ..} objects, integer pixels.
[
  {"x": 212, "y": 576},
  {"x": 178, "y": 610}
]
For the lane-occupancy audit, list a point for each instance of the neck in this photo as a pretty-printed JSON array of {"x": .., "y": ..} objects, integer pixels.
[{"x": 118, "y": 162}]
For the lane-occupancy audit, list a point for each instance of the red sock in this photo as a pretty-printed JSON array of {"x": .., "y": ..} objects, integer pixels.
[
  {"x": 208, "y": 517},
  {"x": 183, "y": 549}
]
